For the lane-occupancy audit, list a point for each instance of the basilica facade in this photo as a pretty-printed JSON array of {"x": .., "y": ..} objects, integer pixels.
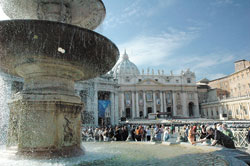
[{"x": 146, "y": 92}]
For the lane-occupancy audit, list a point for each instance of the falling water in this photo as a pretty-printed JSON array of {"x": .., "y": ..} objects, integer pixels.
[{"x": 5, "y": 93}]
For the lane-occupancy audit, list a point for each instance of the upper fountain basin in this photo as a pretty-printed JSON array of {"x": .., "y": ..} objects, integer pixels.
[
  {"x": 29, "y": 42},
  {"x": 84, "y": 13}
]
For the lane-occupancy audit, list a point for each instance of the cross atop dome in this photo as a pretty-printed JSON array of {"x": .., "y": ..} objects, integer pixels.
[{"x": 125, "y": 55}]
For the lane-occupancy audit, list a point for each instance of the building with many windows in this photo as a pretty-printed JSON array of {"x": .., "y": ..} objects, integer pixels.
[{"x": 228, "y": 97}]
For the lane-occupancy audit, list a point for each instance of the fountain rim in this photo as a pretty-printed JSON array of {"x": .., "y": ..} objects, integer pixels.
[
  {"x": 14, "y": 21},
  {"x": 36, "y": 18},
  {"x": 57, "y": 22}
]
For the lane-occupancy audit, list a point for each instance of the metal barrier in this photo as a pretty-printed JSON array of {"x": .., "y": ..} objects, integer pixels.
[{"x": 240, "y": 137}]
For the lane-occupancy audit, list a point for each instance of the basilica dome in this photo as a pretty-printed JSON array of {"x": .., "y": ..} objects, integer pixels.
[{"x": 125, "y": 67}]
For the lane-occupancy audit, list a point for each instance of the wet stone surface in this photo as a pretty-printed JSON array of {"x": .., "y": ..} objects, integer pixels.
[
  {"x": 135, "y": 154},
  {"x": 142, "y": 155}
]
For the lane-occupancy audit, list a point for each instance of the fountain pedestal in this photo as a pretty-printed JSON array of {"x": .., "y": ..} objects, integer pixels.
[
  {"x": 45, "y": 128},
  {"x": 45, "y": 118}
]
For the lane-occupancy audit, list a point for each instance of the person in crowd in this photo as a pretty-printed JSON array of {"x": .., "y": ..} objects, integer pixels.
[
  {"x": 125, "y": 133},
  {"x": 215, "y": 126},
  {"x": 172, "y": 129},
  {"x": 218, "y": 138},
  {"x": 111, "y": 134},
  {"x": 137, "y": 135},
  {"x": 96, "y": 134},
  {"x": 186, "y": 133},
  {"x": 162, "y": 129},
  {"x": 198, "y": 129},
  {"x": 122, "y": 134},
  {"x": 195, "y": 132},
  {"x": 166, "y": 134},
  {"x": 100, "y": 134},
  {"x": 157, "y": 132},
  {"x": 219, "y": 127},
  {"x": 117, "y": 134},
  {"x": 141, "y": 133},
  {"x": 148, "y": 133},
  {"x": 203, "y": 132},
  {"x": 105, "y": 134},
  {"x": 248, "y": 135},
  {"x": 227, "y": 131},
  {"x": 132, "y": 133},
  {"x": 191, "y": 134}
]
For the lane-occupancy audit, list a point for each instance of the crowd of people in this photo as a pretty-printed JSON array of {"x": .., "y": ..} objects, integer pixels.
[
  {"x": 128, "y": 133},
  {"x": 216, "y": 134}
]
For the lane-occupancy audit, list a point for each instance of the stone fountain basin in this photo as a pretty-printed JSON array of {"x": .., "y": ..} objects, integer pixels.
[
  {"x": 84, "y": 13},
  {"x": 46, "y": 42}
]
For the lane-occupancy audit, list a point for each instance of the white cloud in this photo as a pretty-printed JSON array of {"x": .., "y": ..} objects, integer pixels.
[
  {"x": 211, "y": 60},
  {"x": 222, "y": 2},
  {"x": 215, "y": 76},
  {"x": 137, "y": 9},
  {"x": 205, "y": 66},
  {"x": 153, "y": 50}
]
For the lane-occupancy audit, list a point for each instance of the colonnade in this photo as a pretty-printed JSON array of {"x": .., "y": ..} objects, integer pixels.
[{"x": 233, "y": 110}]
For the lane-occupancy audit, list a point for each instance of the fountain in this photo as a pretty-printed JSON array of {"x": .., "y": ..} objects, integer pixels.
[{"x": 50, "y": 43}]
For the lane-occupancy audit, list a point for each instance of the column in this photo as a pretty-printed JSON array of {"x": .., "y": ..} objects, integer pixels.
[
  {"x": 122, "y": 106},
  {"x": 240, "y": 114},
  {"x": 144, "y": 104},
  {"x": 96, "y": 106},
  {"x": 174, "y": 104},
  {"x": 184, "y": 104},
  {"x": 154, "y": 102},
  {"x": 112, "y": 113},
  {"x": 116, "y": 111},
  {"x": 196, "y": 103},
  {"x": 137, "y": 105},
  {"x": 220, "y": 111},
  {"x": 214, "y": 113},
  {"x": 209, "y": 113},
  {"x": 233, "y": 111},
  {"x": 161, "y": 97},
  {"x": 205, "y": 113},
  {"x": 133, "y": 105},
  {"x": 164, "y": 102},
  {"x": 248, "y": 110}
]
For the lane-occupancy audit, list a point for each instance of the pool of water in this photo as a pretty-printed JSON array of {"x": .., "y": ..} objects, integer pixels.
[{"x": 128, "y": 154}]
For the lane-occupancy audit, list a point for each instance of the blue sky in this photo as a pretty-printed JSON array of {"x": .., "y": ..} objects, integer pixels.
[{"x": 206, "y": 36}]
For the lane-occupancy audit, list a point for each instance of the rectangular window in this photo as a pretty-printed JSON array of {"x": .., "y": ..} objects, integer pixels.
[{"x": 149, "y": 96}]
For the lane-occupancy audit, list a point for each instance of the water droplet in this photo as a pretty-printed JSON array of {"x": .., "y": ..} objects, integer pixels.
[{"x": 61, "y": 50}]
